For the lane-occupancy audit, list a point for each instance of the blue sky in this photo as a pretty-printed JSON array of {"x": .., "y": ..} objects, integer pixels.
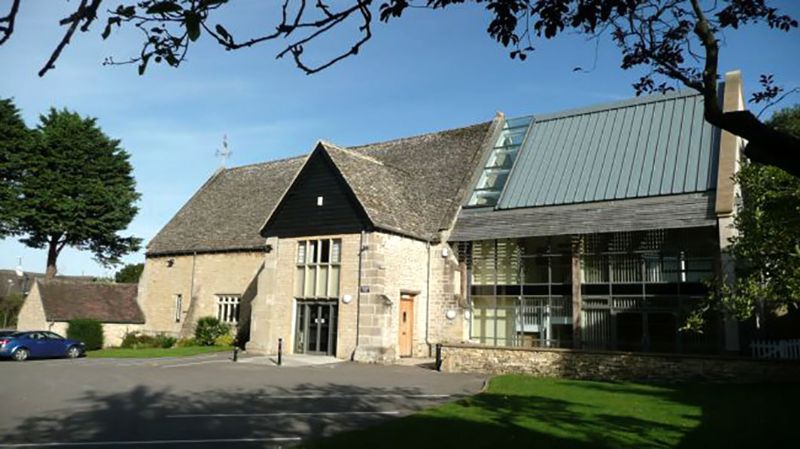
[{"x": 429, "y": 71}]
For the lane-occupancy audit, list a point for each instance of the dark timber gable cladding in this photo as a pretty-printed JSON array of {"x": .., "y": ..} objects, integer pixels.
[{"x": 319, "y": 202}]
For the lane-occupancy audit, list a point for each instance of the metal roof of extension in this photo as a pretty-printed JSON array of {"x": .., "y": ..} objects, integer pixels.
[{"x": 648, "y": 146}]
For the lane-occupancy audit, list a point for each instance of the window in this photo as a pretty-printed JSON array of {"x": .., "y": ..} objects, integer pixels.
[
  {"x": 178, "y": 307},
  {"x": 228, "y": 308},
  {"x": 318, "y": 268},
  {"x": 53, "y": 336},
  {"x": 498, "y": 166}
]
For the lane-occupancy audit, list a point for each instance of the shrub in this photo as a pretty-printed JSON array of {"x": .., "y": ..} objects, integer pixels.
[
  {"x": 208, "y": 329},
  {"x": 90, "y": 332},
  {"x": 225, "y": 340},
  {"x": 164, "y": 341},
  {"x": 136, "y": 340},
  {"x": 132, "y": 340},
  {"x": 184, "y": 342}
]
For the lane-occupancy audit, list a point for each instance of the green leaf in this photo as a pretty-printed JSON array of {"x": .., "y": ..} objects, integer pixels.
[
  {"x": 224, "y": 33},
  {"x": 207, "y": 3},
  {"x": 192, "y": 22},
  {"x": 143, "y": 64},
  {"x": 164, "y": 7}
]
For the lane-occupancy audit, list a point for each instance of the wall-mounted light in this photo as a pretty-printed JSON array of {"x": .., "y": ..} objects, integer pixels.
[
  {"x": 346, "y": 299},
  {"x": 170, "y": 262},
  {"x": 450, "y": 314},
  {"x": 387, "y": 301},
  {"x": 268, "y": 249},
  {"x": 320, "y": 200}
]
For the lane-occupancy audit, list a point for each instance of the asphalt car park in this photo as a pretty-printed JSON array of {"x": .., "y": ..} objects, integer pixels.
[{"x": 207, "y": 401}]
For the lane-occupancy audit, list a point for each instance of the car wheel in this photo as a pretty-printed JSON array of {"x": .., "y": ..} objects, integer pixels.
[
  {"x": 21, "y": 354},
  {"x": 73, "y": 352}
]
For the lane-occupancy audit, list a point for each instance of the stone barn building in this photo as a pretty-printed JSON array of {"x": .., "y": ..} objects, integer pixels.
[
  {"x": 588, "y": 228},
  {"x": 50, "y": 305}
]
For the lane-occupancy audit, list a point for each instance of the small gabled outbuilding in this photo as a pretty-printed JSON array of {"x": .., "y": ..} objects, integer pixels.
[{"x": 50, "y": 305}]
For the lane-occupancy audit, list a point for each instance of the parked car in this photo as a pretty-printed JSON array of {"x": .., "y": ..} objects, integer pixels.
[{"x": 23, "y": 345}]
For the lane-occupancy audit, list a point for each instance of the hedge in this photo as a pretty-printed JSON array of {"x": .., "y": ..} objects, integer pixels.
[{"x": 90, "y": 332}]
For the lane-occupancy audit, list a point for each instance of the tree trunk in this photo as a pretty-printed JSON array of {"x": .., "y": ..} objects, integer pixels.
[{"x": 52, "y": 256}]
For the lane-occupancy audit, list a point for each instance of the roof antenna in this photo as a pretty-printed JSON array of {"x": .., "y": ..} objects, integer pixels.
[{"x": 223, "y": 153}]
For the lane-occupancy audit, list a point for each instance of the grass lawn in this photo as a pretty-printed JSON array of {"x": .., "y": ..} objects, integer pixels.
[
  {"x": 526, "y": 412},
  {"x": 128, "y": 353}
]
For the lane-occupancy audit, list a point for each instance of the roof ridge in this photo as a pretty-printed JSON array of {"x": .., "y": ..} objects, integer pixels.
[
  {"x": 353, "y": 153},
  {"x": 265, "y": 163},
  {"x": 617, "y": 104},
  {"x": 416, "y": 136}
]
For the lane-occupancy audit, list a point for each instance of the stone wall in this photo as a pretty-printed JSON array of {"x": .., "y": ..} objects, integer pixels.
[
  {"x": 31, "y": 315},
  {"x": 113, "y": 333},
  {"x": 614, "y": 366},
  {"x": 391, "y": 266},
  {"x": 274, "y": 307},
  {"x": 199, "y": 279}
]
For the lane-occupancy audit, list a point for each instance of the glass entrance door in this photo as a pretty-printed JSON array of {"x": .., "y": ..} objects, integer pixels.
[{"x": 316, "y": 327}]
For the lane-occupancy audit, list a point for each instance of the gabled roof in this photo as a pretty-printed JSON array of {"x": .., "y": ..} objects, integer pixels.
[
  {"x": 109, "y": 303},
  {"x": 649, "y": 146},
  {"x": 412, "y": 186},
  {"x": 228, "y": 210}
]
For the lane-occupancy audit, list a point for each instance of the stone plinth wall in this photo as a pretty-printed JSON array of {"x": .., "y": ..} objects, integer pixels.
[{"x": 614, "y": 366}]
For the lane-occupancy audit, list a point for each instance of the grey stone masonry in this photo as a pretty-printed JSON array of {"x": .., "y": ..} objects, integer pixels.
[{"x": 615, "y": 366}]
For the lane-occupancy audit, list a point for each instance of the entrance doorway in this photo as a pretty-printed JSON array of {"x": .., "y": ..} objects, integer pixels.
[
  {"x": 316, "y": 327},
  {"x": 406, "y": 332}
]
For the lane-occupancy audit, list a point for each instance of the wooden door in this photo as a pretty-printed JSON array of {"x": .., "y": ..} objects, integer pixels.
[{"x": 406, "y": 325}]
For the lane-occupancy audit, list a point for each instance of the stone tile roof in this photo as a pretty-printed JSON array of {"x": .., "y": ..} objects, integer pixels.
[
  {"x": 412, "y": 186},
  {"x": 109, "y": 303},
  {"x": 227, "y": 212},
  {"x": 11, "y": 284}
]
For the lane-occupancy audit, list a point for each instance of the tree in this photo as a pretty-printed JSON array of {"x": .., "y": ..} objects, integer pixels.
[
  {"x": 73, "y": 187},
  {"x": 767, "y": 250},
  {"x": 130, "y": 273},
  {"x": 14, "y": 136},
  {"x": 675, "y": 41},
  {"x": 10, "y": 306}
]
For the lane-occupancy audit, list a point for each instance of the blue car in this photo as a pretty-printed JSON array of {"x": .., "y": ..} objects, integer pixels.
[{"x": 23, "y": 345}]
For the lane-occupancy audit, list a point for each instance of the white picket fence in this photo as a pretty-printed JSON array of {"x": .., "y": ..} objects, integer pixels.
[{"x": 782, "y": 349}]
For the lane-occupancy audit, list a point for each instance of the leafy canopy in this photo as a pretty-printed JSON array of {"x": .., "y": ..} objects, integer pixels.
[
  {"x": 14, "y": 138},
  {"x": 767, "y": 249},
  {"x": 130, "y": 273},
  {"x": 72, "y": 186}
]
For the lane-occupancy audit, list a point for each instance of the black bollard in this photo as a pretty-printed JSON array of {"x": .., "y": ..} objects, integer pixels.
[
  {"x": 235, "y": 353},
  {"x": 438, "y": 357},
  {"x": 280, "y": 351}
]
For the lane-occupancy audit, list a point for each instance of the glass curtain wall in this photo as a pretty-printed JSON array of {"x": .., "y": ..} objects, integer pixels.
[
  {"x": 521, "y": 292},
  {"x": 637, "y": 288}
]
